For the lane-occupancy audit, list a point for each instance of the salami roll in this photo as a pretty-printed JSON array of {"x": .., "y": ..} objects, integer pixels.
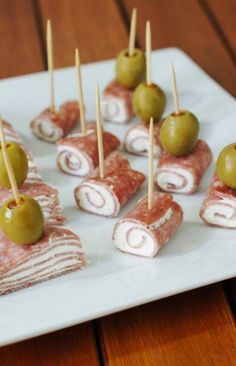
[
  {"x": 137, "y": 140},
  {"x": 183, "y": 174},
  {"x": 78, "y": 154},
  {"x": 117, "y": 103},
  {"x": 52, "y": 126},
  {"x": 106, "y": 196},
  {"x": 143, "y": 232},
  {"x": 58, "y": 252},
  {"x": 219, "y": 206},
  {"x": 47, "y": 197}
]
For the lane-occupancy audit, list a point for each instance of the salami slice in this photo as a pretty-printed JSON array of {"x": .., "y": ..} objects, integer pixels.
[
  {"x": 137, "y": 137},
  {"x": 219, "y": 206},
  {"x": 57, "y": 253},
  {"x": 106, "y": 196},
  {"x": 143, "y": 232},
  {"x": 52, "y": 126},
  {"x": 78, "y": 154},
  {"x": 183, "y": 174},
  {"x": 10, "y": 133},
  {"x": 117, "y": 103},
  {"x": 47, "y": 196}
]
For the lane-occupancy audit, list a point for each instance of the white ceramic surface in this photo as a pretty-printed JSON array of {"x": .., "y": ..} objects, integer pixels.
[{"x": 196, "y": 256}]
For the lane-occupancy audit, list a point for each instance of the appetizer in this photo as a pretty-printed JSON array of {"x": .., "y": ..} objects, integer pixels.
[
  {"x": 77, "y": 154},
  {"x": 116, "y": 103},
  {"x": 149, "y": 102},
  {"x": 28, "y": 178},
  {"x": 21, "y": 217},
  {"x": 31, "y": 250},
  {"x": 58, "y": 252},
  {"x": 152, "y": 222},
  {"x": 219, "y": 206},
  {"x": 110, "y": 186},
  {"x": 185, "y": 157},
  {"x": 52, "y": 124}
]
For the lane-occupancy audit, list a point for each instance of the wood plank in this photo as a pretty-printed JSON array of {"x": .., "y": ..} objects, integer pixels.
[
  {"x": 20, "y": 44},
  {"x": 95, "y": 27},
  {"x": 223, "y": 12},
  {"x": 184, "y": 24},
  {"x": 194, "y": 329},
  {"x": 21, "y": 52},
  {"x": 73, "y": 346}
]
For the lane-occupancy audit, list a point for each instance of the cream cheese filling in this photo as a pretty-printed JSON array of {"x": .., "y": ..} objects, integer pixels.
[{"x": 168, "y": 178}]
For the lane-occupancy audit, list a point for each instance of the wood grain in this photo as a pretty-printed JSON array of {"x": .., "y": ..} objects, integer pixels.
[
  {"x": 184, "y": 24},
  {"x": 194, "y": 329},
  {"x": 224, "y": 12},
  {"x": 95, "y": 27},
  {"x": 20, "y": 43},
  {"x": 73, "y": 346}
]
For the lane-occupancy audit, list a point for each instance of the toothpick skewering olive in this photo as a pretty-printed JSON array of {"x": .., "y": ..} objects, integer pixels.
[
  {"x": 21, "y": 217},
  {"x": 130, "y": 63},
  {"x": 19, "y": 163},
  {"x": 149, "y": 100},
  {"x": 179, "y": 131}
]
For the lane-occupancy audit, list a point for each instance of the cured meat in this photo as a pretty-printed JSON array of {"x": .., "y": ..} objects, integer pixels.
[
  {"x": 183, "y": 174},
  {"x": 137, "y": 139},
  {"x": 13, "y": 136},
  {"x": 57, "y": 253},
  {"x": 117, "y": 103},
  {"x": 52, "y": 126},
  {"x": 106, "y": 196},
  {"x": 10, "y": 133},
  {"x": 219, "y": 206},
  {"x": 78, "y": 154},
  {"x": 47, "y": 197},
  {"x": 113, "y": 163},
  {"x": 143, "y": 232}
]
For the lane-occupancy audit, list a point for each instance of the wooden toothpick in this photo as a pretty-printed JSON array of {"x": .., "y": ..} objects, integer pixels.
[
  {"x": 80, "y": 92},
  {"x": 132, "y": 32},
  {"x": 148, "y": 52},
  {"x": 8, "y": 165},
  {"x": 50, "y": 64},
  {"x": 150, "y": 164},
  {"x": 99, "y": 134},
  {"x": 174, "y": 89}
]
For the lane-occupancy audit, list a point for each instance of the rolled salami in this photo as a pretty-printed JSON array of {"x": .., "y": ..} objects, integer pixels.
[
  {"x": 183, "y": 174},
  {"x": 106, "y": 196},
  {"x": 117, "y": 103},
  {"x": 78, "y": 154},
  {"x": 219, "y": 206},
  {"x": 57, "y": 253},
  {"x": 143, "y": 232},
  {"x": 136, "y": 140},
  {"x": 47, "y": 197},
  {"x": 52, "y": 126}
]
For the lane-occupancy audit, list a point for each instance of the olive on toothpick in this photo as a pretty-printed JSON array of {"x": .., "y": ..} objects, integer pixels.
[
  {"x": 226, "y": 166},
  {"x": 149, "y": 100},
  {"x": 19, "y": 163},
  {"x": 21, "y": 217},
  {"x": 179, "y": 131},
  {"x": 130, "y": 63}
]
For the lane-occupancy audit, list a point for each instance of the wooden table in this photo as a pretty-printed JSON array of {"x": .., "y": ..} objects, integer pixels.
[{"x": 195, "y": 328}]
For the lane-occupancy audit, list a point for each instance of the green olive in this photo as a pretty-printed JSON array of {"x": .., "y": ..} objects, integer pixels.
[
  {"x": 130, "y": 70},
  {"x": 149, "y": 101},
  {"x": 179, "y": 133},
  {"x": 19, "y": 164},
  {"x": 226, "y": 166},
  {"x": 23, "y": 223}
]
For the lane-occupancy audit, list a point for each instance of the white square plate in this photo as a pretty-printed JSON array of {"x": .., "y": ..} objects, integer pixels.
[{"x": 196, "y": 256}]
